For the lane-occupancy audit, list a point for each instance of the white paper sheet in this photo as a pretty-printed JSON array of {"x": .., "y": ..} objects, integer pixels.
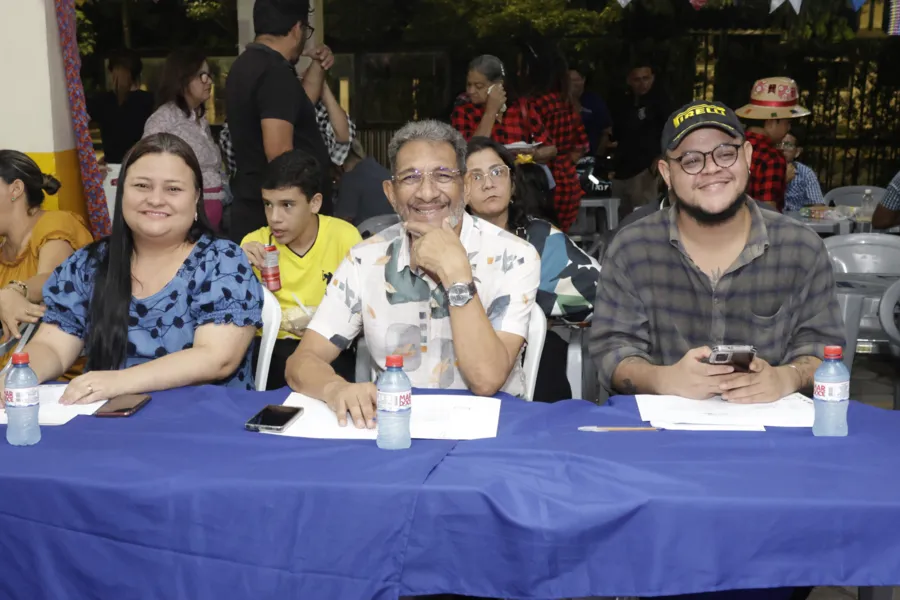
[
  {"x": 697, "y": 427},
  {"x": 795, "y": 410},
  {"x": 434, "y": 417},
  {"x": 52, "y": 412}
]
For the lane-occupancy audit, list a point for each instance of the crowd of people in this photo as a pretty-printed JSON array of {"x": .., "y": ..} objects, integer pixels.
[{"x": 483, "y": 204}]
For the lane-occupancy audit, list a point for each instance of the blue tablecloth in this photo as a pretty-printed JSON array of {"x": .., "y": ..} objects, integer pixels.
[{"x": 179, "y": 502}]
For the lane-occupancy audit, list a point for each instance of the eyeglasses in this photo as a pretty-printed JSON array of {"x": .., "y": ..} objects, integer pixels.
[
  {"x": 309, "y": 29},
  {"x": 498, "y": 172},
  {"x": 787, "y": 146},
  {"x": 204, "y": 77},
  {"x": 440, "y": 176},
  {"x": 693, "y": 162}
]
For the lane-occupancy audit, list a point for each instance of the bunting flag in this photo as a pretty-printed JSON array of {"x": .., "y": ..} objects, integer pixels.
[
  {"x": 776, "y": 4},
  {"x": 624, "y": 3},
  {"x": 857, "y": 4},
  {"x": 894, "y": 24},
  {"x": 92, "y": 179},
  {"x": 698, "y": 4}
]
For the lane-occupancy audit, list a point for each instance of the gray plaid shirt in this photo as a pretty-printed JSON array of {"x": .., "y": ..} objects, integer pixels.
[{"x": 655, "y": 303}]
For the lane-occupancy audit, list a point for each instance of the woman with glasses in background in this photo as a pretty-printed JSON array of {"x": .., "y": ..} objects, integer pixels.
[
  {"x": 517, "y": 198},
  {"x": 185, "y": 87}
]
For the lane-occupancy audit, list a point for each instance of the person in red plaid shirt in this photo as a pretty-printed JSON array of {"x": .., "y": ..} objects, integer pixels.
[
  {"x": 553, "y": 103},
  {"x": 774, "y": 101},
  {"x": 490, "y": 113}
]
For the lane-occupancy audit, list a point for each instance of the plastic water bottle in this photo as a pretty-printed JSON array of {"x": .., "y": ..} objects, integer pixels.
[
  {"x": 22, "y": 403},
  {"x": 831, "y": 395},
  {"x": 394, "y": 406}
]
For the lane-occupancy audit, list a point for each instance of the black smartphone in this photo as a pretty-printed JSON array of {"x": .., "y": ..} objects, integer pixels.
[
  {"x": 738, "y": 357},
  {"x": 123, "y": 406},
  {"x": 274, "y": 417}
]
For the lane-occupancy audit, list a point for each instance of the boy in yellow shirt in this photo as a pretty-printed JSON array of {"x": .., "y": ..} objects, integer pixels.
[{"x": 310, "y": 248}]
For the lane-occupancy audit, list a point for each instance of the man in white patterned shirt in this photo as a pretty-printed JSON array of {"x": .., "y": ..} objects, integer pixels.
[
  {"x": 449, "y": 292},
  {"x": 803, "y": 187},
  {"x": 887, "y": 214}
]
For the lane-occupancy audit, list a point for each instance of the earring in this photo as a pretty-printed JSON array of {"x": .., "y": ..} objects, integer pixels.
[
  {"x": 13, "y": 199},
  {"x": 195, "y": 217}
]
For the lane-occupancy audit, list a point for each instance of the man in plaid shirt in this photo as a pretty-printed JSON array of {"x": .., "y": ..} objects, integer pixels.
[
  {"x": 887, "y": 214},
  {"x": 712, "y": 270},
  {"x": 774, "y": 102}
]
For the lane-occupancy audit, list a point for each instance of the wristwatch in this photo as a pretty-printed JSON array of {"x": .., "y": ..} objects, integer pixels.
[{"x": 460, "y": 294}]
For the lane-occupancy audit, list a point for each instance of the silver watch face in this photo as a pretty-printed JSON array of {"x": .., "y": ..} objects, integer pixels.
[{"x": 459, "y": 294}]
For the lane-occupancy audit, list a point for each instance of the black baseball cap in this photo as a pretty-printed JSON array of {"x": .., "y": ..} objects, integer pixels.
[{"x": 697, "y": 115}]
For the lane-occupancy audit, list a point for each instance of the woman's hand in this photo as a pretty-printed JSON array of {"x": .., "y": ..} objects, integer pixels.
[
  {"x": 496, "y": 100},
  {"x": 94, "y": 386},
  {"x": 15, "y": 309}
]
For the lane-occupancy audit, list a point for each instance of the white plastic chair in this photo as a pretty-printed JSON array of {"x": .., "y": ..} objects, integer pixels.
[
  {"x": 862, "y": 253},
  {"x": 271, "y": 318},
  {"x": 534, "y": 340},
  {"x": 886, "y": 315},
  {"x": 852, "y": 195}
]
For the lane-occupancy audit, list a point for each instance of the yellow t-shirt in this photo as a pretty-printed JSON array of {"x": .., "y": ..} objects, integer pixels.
[{"x": 307, "y": 276}]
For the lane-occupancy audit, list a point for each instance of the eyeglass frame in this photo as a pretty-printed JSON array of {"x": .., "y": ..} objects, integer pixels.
[
  {"x": 679, "y": 159},
  {"x": 401, "y": 179},
  {"x": 487, "y": 174},
  {"x": 308, "y": 31},
  {"x": 205, "y": 75}
]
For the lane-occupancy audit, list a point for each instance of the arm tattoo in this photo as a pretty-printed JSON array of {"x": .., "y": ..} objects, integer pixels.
[{"x": 627, "y": 386}]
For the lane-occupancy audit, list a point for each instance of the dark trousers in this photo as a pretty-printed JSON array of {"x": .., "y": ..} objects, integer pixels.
[
  {"x": 552, "y": 384},
  {"x": 344, "y": 365}
]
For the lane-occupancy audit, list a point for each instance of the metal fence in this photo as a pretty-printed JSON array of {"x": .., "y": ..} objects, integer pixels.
[{"x": 852, "y": 89}]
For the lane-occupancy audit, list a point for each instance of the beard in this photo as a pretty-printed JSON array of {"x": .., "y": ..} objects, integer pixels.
[{"x": 705, "y": 217}]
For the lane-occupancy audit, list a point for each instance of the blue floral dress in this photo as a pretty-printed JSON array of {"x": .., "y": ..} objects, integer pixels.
[{"x": 215, "y": 284}]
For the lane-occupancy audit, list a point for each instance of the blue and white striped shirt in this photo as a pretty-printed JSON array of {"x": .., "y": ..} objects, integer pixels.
[{"x": 803, "y": 190}]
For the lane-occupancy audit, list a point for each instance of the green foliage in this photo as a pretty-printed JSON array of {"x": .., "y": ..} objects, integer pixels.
[
  {"x": 204, "y": 10},
  {"x": 87, "y": 39}
]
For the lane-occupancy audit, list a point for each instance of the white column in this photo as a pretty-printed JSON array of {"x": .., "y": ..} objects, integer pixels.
[{"x": 35, "y": 105}]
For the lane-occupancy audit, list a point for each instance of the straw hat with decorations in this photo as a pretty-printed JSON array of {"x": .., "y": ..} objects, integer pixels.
[{"x": 773, "y": 98}]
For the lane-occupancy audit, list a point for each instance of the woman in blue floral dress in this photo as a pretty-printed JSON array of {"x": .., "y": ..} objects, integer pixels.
[{"x": 159, "y": 304}]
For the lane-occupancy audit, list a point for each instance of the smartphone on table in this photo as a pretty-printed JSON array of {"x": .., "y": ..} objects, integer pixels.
[
  {"x": 123, "y": 406},
  {"x": 274, "y": 417},
  {"x": 738, "y": 356}
]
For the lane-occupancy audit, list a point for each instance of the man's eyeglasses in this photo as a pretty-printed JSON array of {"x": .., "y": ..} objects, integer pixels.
[
  {"x": 204, "y": 77},
  {"x": 693, "y": 162},
  {"x": 787, "y": 146},
  {"x": 441, "y": 176},
  {"x": 498, "y": 172},
  {"x": 308, "y": 31}
]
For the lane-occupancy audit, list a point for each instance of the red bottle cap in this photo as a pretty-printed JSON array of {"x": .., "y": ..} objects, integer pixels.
[
  {"x": 834, "y": 352},
  {"x": 394, "y": 360},
  {"x": 20, "y": 358},
  {"x": 270, "y": 248}
]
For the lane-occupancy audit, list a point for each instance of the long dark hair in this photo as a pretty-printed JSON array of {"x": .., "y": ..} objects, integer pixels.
[
  {"x": 530, "y": 189},
  {"x": 16, "y": 165},
  {"x": 180, "y": 69},
  {"x": 548, "y": 72},
  {"x": 106, "y": 346}
]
